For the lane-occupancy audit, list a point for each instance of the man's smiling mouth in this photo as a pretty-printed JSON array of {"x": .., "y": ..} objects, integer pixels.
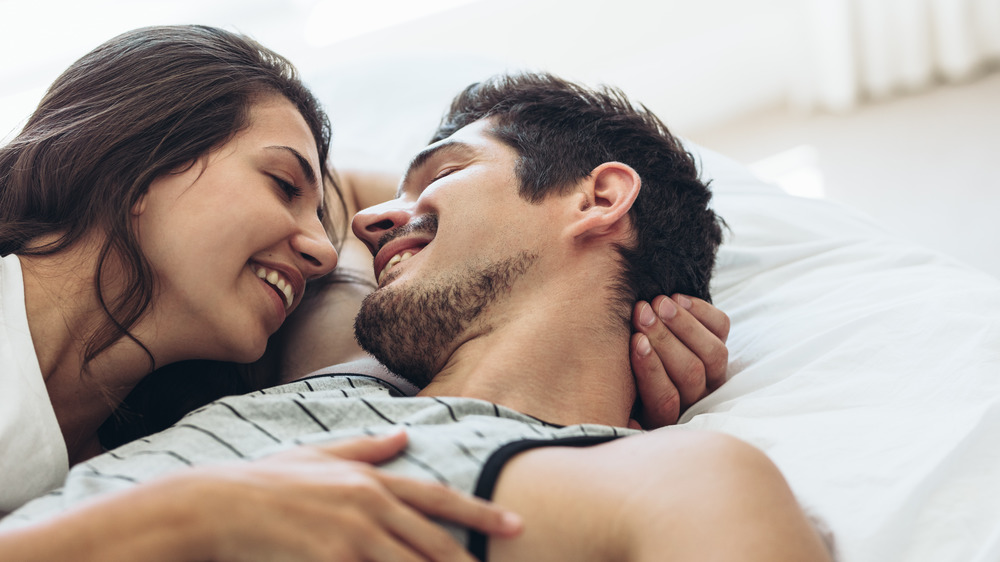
[{"x": 395, "y": 260}]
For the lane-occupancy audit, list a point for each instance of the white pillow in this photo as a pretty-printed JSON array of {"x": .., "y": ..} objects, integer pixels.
[{"x": 865, "y": 366}]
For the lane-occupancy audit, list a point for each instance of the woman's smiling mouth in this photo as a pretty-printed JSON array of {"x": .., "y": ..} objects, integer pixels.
[{"x": 278, "y": 282}]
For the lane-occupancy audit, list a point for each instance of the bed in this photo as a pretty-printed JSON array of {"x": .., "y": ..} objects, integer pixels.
[{"x": 865, "y": 366}]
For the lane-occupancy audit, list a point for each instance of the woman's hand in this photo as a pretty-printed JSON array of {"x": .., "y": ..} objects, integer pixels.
[
  {"x": 678, "y": 355},
  {"x": 329, "y": 503},
  {"x": 310, "y": 503}
]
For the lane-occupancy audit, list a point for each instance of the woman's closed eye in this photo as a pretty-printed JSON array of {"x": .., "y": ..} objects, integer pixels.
[{"x": 290, "y": 191}]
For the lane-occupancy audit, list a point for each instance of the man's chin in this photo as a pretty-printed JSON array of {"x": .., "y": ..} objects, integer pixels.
[
  {"x": 412, "y": 328},
  {"x": 386, "y": 328}
]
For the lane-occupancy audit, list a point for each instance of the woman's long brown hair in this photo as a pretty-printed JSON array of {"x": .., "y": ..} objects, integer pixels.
[{"x": 143, "y": 104}]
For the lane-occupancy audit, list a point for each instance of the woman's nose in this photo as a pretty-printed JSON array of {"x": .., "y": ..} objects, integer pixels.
[{"x": 318, "y": 254}]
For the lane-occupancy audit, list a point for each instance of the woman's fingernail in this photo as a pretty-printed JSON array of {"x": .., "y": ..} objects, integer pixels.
[
  {"x": 646, "y": 317},
  {"x": 642, "y": 346},
  {"x": 667, "y": 309},
  {"x": 684, "y": 301},
  {"x": 512, "y": 522}
]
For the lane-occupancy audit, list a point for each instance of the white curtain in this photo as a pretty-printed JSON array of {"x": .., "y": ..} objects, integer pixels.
[{"x": 856, "y": 50}]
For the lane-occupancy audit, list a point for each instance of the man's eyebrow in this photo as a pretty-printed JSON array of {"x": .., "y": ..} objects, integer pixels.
[
  {"x": 426, "y": 154},
  {"x": 307, "y": 169}
]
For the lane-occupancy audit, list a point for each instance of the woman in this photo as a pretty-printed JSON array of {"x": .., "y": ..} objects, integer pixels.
[
  {"x": 166, "y": 202},
  {"x": 86, "y": 215}
]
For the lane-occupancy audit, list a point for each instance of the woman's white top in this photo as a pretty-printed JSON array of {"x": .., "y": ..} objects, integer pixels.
[{"x": 33, "y": 458}]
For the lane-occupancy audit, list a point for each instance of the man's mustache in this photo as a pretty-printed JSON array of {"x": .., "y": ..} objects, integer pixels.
[{"x": 423, "y": 224}]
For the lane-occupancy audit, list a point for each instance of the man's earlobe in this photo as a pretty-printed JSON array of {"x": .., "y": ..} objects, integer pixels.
[{"x": 606, "y": 198}]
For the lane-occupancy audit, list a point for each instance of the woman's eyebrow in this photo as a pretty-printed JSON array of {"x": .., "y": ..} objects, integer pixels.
[{"x": 307, "y": 169}]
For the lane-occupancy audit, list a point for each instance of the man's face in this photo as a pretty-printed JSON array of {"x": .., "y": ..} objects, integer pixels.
[{"x": 449, "y": 251}]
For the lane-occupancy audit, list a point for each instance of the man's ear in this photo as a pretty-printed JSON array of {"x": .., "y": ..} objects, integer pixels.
[{"x": 604, "y": 200}]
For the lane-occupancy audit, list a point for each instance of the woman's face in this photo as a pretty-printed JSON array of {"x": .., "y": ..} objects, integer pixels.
[{"x": 233, "y": 238}]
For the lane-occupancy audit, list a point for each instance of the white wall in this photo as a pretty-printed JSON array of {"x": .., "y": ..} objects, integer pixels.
[{"x": 695, "y": 63}]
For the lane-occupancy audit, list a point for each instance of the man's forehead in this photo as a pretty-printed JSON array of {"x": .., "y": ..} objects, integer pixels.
[
  {"x": 470, "y": 136},
  {"x": 479, "y": 129}
]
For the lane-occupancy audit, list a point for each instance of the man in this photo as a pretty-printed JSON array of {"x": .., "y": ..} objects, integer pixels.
[{"x": 507, "y": 267}]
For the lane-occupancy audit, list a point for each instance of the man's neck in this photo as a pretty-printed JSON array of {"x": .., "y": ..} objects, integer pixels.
[{"x": 558, "y": 359}]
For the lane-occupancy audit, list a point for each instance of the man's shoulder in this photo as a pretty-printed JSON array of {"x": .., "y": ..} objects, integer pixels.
[
  {"x": 342, "y": 384},
  {"x": 369, "y": 367}
]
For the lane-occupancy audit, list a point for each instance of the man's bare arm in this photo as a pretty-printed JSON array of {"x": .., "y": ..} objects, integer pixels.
[{"x": 672, "y": 494}]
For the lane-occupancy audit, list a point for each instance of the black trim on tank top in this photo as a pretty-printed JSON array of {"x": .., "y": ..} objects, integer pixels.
[{"x": 486, "y": 484}]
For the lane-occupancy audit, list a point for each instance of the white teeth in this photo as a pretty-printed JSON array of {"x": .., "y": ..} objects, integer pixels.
[
  {"x": 287, "y": 289},
  {"x": 289, "y": 295},
  {"x": 273, "y": 278},
  {"x": 392, "y": 262}
]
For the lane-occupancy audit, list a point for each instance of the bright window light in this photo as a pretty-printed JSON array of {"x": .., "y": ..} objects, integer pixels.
[{"x": 795, "y": 170}]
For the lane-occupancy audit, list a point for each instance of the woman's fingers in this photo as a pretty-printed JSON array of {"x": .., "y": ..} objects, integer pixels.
[
  {"x": 659, "y": 399},
  {"x": 703, "y": 330},
  {"x": 405, "y": 509},
  {"x": 680, "y": 364},
  {"x": 413, "y": 538},
  {"x": 707, "y": 314},
  {"x": 316, "y": 501},
  {"x": 430, "y": 498},
  {"x": 682, "y": 357},
  {"x": 414, "y": 533},
  {"x": 441, "y": 502},
  {"x": 372, "y": 450}
]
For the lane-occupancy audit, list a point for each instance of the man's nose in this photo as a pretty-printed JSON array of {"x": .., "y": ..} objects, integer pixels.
[{"x": 371, "y": 224}]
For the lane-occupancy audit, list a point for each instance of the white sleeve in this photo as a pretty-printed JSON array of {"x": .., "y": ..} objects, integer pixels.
[{"x": 33, "y": 458}]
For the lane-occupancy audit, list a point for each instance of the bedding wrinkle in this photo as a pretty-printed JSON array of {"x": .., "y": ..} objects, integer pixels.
[
  {"x": 868, "y": 368},
  {"x": 945, "y": 503}
]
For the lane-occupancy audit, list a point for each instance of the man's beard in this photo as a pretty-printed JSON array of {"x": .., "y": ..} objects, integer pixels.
[{"x": 412, "y": 330}]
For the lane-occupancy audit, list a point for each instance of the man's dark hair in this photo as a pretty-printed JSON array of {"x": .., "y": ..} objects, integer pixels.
[{"x": 563, "y": 131}]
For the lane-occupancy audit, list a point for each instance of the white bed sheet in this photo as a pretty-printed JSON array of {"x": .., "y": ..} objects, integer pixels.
[{"x": 868, "y": 369}]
